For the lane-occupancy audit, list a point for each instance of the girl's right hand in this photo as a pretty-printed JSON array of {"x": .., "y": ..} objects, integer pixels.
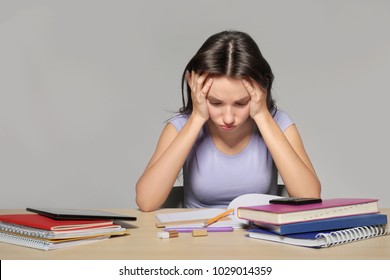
[{"x": 200, "y": 85}]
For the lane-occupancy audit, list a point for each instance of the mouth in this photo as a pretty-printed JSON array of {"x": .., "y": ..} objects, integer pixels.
[{"x": 227, "y": 127}]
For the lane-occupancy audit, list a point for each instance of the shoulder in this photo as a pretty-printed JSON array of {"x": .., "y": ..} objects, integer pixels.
[
  {"x": 283, "y": 119},
  {"x": 178, "y": 121}
]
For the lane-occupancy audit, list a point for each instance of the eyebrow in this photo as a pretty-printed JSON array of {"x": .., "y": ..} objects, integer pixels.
[
  {"x": 244, "y": 99},
  {"x": 212, "y": 98}
]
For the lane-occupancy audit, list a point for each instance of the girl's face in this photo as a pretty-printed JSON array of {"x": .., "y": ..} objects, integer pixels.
[{"x": 228, "y": 103}]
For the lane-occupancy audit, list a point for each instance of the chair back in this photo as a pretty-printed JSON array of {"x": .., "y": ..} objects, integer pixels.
[{"x": 175, "y": 198}]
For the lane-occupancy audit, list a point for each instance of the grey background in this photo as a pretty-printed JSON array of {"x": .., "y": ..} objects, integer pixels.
[{"x": 85, "y": 88}]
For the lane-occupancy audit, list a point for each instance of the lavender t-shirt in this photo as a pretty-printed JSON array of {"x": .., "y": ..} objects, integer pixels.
[{"x": 213, "y": 179}]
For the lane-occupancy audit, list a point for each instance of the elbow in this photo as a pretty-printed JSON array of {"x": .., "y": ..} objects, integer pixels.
[
  {"x": 308, "y": 189},
  {"x": 144, "y": 201},
  {"x": 315, "y": 189},
  {"x": 319, "y": 189},
  {"x": 145, "y": 206}
]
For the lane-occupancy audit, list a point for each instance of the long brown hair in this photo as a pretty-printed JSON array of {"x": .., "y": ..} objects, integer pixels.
[{"x": 233, "y": 54}]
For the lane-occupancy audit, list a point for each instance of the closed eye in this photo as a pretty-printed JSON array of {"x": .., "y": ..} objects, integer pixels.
[
  {"x": 214, "y": 102},
  {"x": 242, "y": 104}
]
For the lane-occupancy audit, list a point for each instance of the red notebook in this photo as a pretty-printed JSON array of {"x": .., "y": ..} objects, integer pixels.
[
  {"x": 328, "y": 208},
  {"x": 42, "y": 222}
]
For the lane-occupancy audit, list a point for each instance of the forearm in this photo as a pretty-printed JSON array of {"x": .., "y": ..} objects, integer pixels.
[
  {"x": 290, "y": 159},
  {"x": 159, "y": 176}
]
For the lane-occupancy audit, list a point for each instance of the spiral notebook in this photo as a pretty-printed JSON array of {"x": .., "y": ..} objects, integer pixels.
[
  {"x": 46, "y": 245},
  {"x": 321, "y": 239},
  {"x": 39, "y": 232},
  {"x": 325, "y": 224},
  {"x": 52, "y": 234},
  {"x": 42, "y": 222}
]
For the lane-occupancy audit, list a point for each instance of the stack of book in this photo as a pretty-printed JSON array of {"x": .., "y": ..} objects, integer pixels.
[
  {"x": 44, "y": 233},
  {"x": 323, "y": 224}
]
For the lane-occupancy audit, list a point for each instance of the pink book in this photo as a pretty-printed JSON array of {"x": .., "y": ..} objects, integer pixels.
[
  {"x": 328, "y": 208},
  {"x": 42, "y": 222}
]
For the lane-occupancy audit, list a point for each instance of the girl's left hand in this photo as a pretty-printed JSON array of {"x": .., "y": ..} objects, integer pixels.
[{"x": 258, "y": 103}]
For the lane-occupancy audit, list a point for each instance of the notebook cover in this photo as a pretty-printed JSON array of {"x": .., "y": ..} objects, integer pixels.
[
  {"x": 74, "y": 214},
  {"x": 326, "y": 203},
  {"x": 304, "y": 235},
  {"x": 42, "y": 222},
  {"x": 327, "y": 224},
  {"x": 314, "y": 240},
  {"x": 302, "y": 239},
  {"x": 46, "y": 245}
]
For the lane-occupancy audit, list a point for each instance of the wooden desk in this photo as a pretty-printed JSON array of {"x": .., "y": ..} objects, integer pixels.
[{"x": 143, "y": 244}]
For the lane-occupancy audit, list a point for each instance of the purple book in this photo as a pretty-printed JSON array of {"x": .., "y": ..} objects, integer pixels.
[{"x": 328, "y": 208}]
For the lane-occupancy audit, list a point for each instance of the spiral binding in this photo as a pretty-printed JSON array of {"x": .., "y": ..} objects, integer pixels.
[
  {"x": 24, "y": 241},
  {"x": 23, "y": 230},
  {"x": 44, "y": 244},
  {"x": 352, "y": 234}
]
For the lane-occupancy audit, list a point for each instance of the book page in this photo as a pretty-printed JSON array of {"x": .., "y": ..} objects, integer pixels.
[{"x": 198, "y": 216}]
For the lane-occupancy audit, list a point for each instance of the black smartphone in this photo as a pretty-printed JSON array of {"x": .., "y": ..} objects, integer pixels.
[{"x": 295, "y": 200}]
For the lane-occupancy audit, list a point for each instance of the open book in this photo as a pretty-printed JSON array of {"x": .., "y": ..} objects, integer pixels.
[{"x": 197, "y": 217}]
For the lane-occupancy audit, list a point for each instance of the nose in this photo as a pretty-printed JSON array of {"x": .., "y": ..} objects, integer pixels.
[{"x": 228, "y": 116}]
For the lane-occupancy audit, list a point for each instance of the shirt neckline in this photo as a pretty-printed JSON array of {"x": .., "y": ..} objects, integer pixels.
[{"x": 241, "y": 153}]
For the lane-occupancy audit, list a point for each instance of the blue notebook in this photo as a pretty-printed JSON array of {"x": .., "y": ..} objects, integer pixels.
[
  {"x": 321, "y": 239},
  {"x": 326, "y": 224}
]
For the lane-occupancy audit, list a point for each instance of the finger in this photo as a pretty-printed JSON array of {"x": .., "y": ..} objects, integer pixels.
[
  {"x": 249, "y": 88},
  {"x": 193, "y": 73},
  {"x": 257, "y": 87},
  {"x": 202, "y": 78},
  {"x": 200, "y": 81},
  {"x": 207, "y": 86}
]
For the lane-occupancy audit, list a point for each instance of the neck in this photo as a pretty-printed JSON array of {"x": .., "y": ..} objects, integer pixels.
[{"x": 234, "y": 140}]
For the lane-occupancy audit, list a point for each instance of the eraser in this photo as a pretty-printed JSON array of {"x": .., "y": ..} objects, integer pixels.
[
  {"x": 167, "y": 234},
  {"x": 199, "y": 232}
]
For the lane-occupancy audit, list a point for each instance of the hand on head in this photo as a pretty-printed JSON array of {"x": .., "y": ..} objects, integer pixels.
[
  {"x": 258, "y": 103},
  {"x": 199, "y": 84}
]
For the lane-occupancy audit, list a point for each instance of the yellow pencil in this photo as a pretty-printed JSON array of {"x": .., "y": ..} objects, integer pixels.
[{"x": 218, "y": 217}]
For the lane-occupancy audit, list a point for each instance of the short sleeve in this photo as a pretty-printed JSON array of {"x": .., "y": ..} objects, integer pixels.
[
  {"x": 283, "y": 120},
  {"x": 178, "y": 121}
]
